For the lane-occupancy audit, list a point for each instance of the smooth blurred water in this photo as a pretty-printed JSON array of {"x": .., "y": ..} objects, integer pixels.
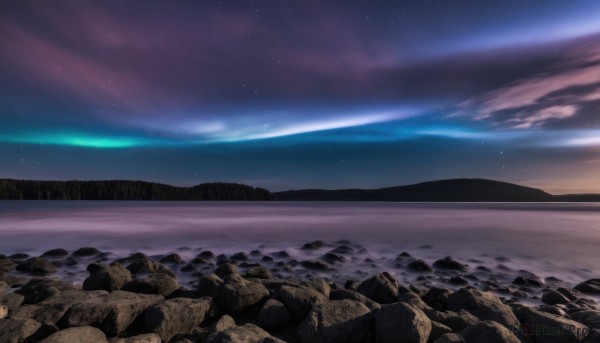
[{"x": 560, "y": 240}]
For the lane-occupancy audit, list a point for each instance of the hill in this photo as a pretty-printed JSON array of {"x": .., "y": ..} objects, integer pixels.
[
  {"x": 456, "y": 190},
  {"x": 125, "y": 190}
]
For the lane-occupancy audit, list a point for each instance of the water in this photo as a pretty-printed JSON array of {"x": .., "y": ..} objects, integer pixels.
[{"x": 558, "y": 240}]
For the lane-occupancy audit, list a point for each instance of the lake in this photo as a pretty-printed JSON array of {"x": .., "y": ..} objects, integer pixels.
[{"x": 548, "y": 239}]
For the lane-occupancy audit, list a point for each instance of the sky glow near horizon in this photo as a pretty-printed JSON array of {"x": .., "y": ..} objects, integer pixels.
[{"x": 292, "y": 95}]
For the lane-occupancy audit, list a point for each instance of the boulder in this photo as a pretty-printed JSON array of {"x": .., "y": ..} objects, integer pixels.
[
  {"x": 144, "y": 338},
  {"x": 554, "y": 297},
  {"x": 461, "y": 320},
  {"x": 419, "y": 266},
  {"x": 437, "y": 298},
  {"x": 559, "y": 329},
  {"x": 318, "y": 285},
  {"x": 3, "y": 311},
  {"x": 108, "y": 278},
  {"x": 226, "y": 269},
  {"x": 341, "y": 294},
  {"x": 84, "y": 334},
  {"x": 86, "y": 252},
  {"x": 6, "y": 264},
  {"x": 161, "y": 284},
  {"x": 589, "y": 287},
  {"x": 438, "y": 330},
  {"x": 382, "y": 288},
  {"x": 36, "y": 290},
  {"x": 482, "y": 305},
  {"x": 273, "y": 314},
  {"x": 259, "y": 273},
  {"x": 450, "y": 338},
  {"x": 18, "y": 330},
  {"x": 589, "y": 318},
  {"x": 490, "y": 332},
  {"x": 207, "y": 285},
  {"x": 55, "y": 253},
  {"x": 237, "y": 293},
  {"x": 37, "y": 266},
  {"x": 178, "y": 315},
  {"x": 337, "y": 321},
  {"x": 11, "y": 300},
  {"x": 401, "y": 323},
  {"x": 299, "y": 299},
  {"x": 112, "y": 313},
  {"x": 172, "y": 258},
  {"x": 145, "y": 265},
  {"x": 448, "y": 263},
  {"x": 247, "y": 333}
]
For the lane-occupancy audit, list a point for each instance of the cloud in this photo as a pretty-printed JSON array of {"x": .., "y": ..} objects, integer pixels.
[{"x": 559, "y": 93}]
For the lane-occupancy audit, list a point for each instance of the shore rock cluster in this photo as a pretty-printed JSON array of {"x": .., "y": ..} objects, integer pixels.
[{"x": 139, "y": 299}]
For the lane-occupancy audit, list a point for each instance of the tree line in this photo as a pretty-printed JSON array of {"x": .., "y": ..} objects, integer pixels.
[{"x": 126, "y": 190}]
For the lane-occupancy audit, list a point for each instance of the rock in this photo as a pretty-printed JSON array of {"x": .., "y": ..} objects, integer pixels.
[
  {"x": 312, "y": 245},
  {"x": 589, "y": 287},
  {"x": 208, "y": 255},
  {"x": 224, "y": 323},
  {"x": 419, "y": 266},
  {"x": 562, "y": 329},
  {"x": 449, "y": 263},
  {"x": 3, "y": 286},
  {"x": 299, "y": 299},
  {"x": 401, "y": 323},
  {"x": 11, "y": 300},
  {"x": 528, "y": 281},
  {"x": 458, "y": 281},
  {"x": 273, "y": 314},
  {"x": 341, "y": 294},
  {"x": 178, "y": 315},
  {"x": 490, "y": 332},
  {"x": 589, "y": 318},
  {"x": 333, "y": 258},
  {"x": 437, "y": 298},
  {"x": 247, "y": 333},
  {"x": 3, "y": 311},
  {"x": 6, "y": 264},
  {"x": 318, "y": 285},
  {"x": 19, "y": 257},
  {"x": 207, "y": 285},
  {"x": 450, "y": 338},
  {"x": 108, "y": 278},
  {"x": 37, "y": 266},
  {"x": 226, "y": 269},
  {"x": 36, "y": 290},
  {"x": 438, "y": 330},
  {"x": 112, "y": 313},
  {"x": 52, "y": 309},
  {"x": 172, "y": 258},
  {"x": 382, "y": 288},
  {"x": 240, "y": 256},
  {"x": 86, "y": 252},
  {"x": 461, "y": 320},
  {"x": 236, "y": 293},
  {"x": 18, "y": 330},
  {"x": 147, "y": 266},
  {"x": 84, "y": 334},
  {"x": 56, "y": 253},
  {"x": 554, "y": 297},
  {"x": 259, "y": 273},
  {"x": 144, "y": 338},
  {"x": 161, "y": 284},
  {"x": 337, "y": 321},
  {"x": 314, "y": 265},
  {"x": 482, "y": 305}
]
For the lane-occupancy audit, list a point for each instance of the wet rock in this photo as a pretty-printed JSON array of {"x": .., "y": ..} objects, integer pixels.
[
  {"x": 382, "y": 288},
  {"x": 482, "y": 305},
  {"x": 144, "y": 338},
  {"x": 112, "y": 313},
  {"x": 343, "y": 249},
  {"x": 273, "y": 314},
  {"x": 36, "y": 290},
  {"x": 458, "y": 281},
  {"x": 236, "y": 293},
  {"x": 312, "y": 245},
  {"x": 437, "y": 298},
  {"x": 281, "y": 254},
  {"x": 337, "y": 321},
  {"x": 314, "y": 265},
  {"x": 419, "y": 266},
  {"x": 566, "y": 330},
  {"x": 55, "y": 253},
  {"x": 6, "y": 264},
  {"x": 177, "y": 315},
  {"x": 554, "y": 297},
  {"x": 226, "y": 269},
  {"x": 247, "y": 333},
  {"x": 188, "y": 268},
  {"x": 341, "y": 294},
  {"x": 319, "y": 285},
  {"x": 37, "y": 266},
  {"x": 448, "y": 263},
  {"x": 18, "y": 330},
  {"x": 147, "y": 266},
  {"x": 552, "y": 310},
  {"x": 207, "y": 285},
  {"x": 19, "y": 257},
  {"x": 208, "y": 255},
  {"x": 86, "y": 252},
  {"x": 172, "y": 258},
  {"x": 589, "y": 287},
  {"x": 11, "y": 300},
  {"x": 438, "y": 330},
  {"x": 299, "y": 299},
  {"x": 589, "y": 318},
  {"x": 161, "y": 284},
  {"x": 490, "y": 332},
  {"x": 528, "y": 281},
  {"x": 400, "y": 322},
  {"x": 259, "y": 273},
  {"x": 240, "y": 256},
  {"x": 108, "y": 278},
  {"x": 333, "y": 258},
  {"x": 459, "y": 321},
  {"x": 82, "y": 334}
]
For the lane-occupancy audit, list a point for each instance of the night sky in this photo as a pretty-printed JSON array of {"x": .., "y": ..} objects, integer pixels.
[{"x": 302, "y": 94}]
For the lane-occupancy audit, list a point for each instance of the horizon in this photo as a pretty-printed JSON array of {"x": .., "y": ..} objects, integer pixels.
[{"x": 302, "y": 95}]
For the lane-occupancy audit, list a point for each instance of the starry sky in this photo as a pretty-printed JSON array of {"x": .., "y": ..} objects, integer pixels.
[{"x": 302, "y": 94}]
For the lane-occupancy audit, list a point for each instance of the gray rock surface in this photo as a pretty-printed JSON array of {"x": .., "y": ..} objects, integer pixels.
[
  {"x": 178, "y": 315},
  {"x": 108, "y": 278},
  {"x": 401, "y": 323},
  {"x": 84, "y": 334},
  {"x": 337, "y": 321}
]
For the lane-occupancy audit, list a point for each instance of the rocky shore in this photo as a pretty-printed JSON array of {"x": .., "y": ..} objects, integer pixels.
[{"x": 260, "y": 296}]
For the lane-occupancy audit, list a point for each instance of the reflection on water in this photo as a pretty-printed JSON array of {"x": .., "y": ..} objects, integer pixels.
[{"x": 548, "y": 239}]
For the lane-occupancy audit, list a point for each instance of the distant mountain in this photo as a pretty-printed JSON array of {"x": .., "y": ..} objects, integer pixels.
[
  {"x": 125, "y": 190},
  {"x": 456, "y": 190}
]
